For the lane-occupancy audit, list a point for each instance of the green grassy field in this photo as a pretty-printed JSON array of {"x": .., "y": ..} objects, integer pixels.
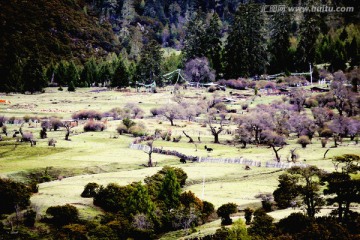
[{"x": 98, "y": 157}]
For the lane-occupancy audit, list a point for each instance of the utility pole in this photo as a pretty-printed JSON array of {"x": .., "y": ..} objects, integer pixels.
[{"x": 203, "y": 189}]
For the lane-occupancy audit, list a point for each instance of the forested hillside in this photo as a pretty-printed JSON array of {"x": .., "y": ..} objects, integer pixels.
[{"x": 80, "y": 43}]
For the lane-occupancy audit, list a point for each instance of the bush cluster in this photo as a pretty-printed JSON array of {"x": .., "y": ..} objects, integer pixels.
[
  {"x": 87, "y": 114},
  {"x": 92, "y": 126}
]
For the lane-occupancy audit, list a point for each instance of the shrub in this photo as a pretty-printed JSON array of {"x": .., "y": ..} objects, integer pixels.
[
  {"x": 27, "y": 137},
  {"x": 166, "y": 135},
  {"x": 12, "y": 120},
  {"x": 188, "y": 199},
  {"x": 2, "y": 120},
  {"x": 220, "y": 106},
  {"x": 116, "y": 113},
  {"x": 122, "y": 129},
  {"x": 208, "y": 209},
  {"x": 87, "y": 114},
  {"x": 138, "y": 131},
  {"x": 311, "y": 102},
  {"x": 43, "y": 133},
  {"x": 51, "y": 142},
  {"x": 211, "y": 89},
  {"x": 303, "y": 141},
  {"x": 12, "y": 194},
  {"x": 33, "y": 186},
  {"x": 128, "y": 123},
  {"x": 29, "y": 218},
  {"x": 93, "y": 126},
  {"x": 4, "y": 129},
  {"x": 154, "y": 111},
  {"x": 224, "y": 212},
  {"x": 239, "y": 84},
  {"x": 63, "y": 215},
  {"x": 244, "y": 106},
  {"x": 55, "y": 123},
  {"x": 326, "y": 133},
  {"x": 90, "y": 190},
  {"x": 26, "y": 118},
  {"x": 248, "y": 215}
]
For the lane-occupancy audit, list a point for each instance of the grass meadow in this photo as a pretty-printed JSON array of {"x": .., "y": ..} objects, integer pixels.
[{"x": 101, "y": 158}]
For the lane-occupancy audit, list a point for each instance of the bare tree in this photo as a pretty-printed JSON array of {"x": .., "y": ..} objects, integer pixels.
[
  {"x": 171, "y": 112},
  {"x": 294, "y": 156},
  {"x": 216, "y": 128},
  {"x": 149, "y": 151},
  {"x": 67, "y": 127},
  {"x": 274, "y": 141}
]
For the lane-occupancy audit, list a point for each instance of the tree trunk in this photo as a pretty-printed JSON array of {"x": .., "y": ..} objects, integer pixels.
[
  {"x": 150, "y": 164},
  {"x": 190, "y": 138},
  {"x": 276, "y": 153},
  {"x": 216, "y": 138},
  {"x": 172, "y": 122},
  {"x": 340, "y": 209}
]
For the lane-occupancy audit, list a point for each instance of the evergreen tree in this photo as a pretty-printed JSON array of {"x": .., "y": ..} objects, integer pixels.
[
  {"x": 71, "y": 87},
  {"x": 280, "y": 42},
  {"x": 106, "y": 73},
  {"x": 343, "y": 35},
  {"x": 61, "y": 73},
  {"x": 148, "y": 69},
  {"x": 89, "y": 73},
  {"x": 338, "y": 56},
  {"x": 33, "y": 76},
  {"x": 324, "y": 51},
  {"x": 245, "y": 49},
  {"x": 213, "y": 40},
  {"x": 309, "y": 31},
  {"x": 121, "y": 76},
  {"x": 195, "y": 44},
  {"x": 139, "y": 200},
  {"x": 11, "y": 74},
  {"x": 72, "y": 75},
  {"x": 50, "y": 72},
  {"x": 353, "y": 52},
  {"x": 170, "y": 190}
]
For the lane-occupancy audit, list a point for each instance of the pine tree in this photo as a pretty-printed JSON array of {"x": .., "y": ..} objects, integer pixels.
[
  {"x": 245, "y": 49},
  {"x": 89, "y": 73},
  {"x": 33, "y": 76},
  {"x": 72, "y": 75},
  {"x": 214, "y": 45},
  {"x": 121, "y": 76},
  {"x": 61, "y": 73},
  {"x": 343, "y": 35},
  {"x": 195, "y": 44},
  {"x": 170, "y": 190},
  {"x": 148, "y": 69},
  {"x": 11, "y": 73},
  {"x": 309, "y": 32},
  {"x": 338, "y": 56},
  {"x": 71, "y": 87},
  {"x": 280, "y": 42},
  {"x": 106, "y": 72},
  {"x": 139, "y": 200},
  {"x": 353, "y": 52}
]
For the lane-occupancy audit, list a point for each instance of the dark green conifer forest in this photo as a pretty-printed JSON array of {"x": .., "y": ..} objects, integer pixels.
[{"x": 84, "y": 39}]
